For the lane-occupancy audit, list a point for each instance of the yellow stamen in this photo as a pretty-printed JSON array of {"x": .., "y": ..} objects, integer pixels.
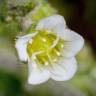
[
  {"x": 42, "y": 43},
  {"x": 30, "y": 42}
]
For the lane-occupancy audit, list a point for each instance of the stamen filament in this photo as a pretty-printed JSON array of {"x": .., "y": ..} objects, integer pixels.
[{"x": 45, "y": 47}]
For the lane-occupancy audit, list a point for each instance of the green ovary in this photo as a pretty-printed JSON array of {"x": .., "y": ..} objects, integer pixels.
[{"x": 42, "y": 43}]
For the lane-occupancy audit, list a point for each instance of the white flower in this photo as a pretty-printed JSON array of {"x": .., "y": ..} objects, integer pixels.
[{"x": 50, "y": 51}]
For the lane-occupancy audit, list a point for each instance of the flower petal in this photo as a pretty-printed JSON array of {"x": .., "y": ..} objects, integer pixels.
[
  {"x": 37, "y": 75},
  {"x": 64, "y": 70},
  {"x": 21, "y": 44},
  {"x": 73, "y": 43},
  {"x": 55, "y": 23}
]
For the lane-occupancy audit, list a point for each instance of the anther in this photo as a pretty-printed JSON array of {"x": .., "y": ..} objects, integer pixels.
[
  {"x": 43, "y": 39},
  {"x": 34, "y": 57},
  {"x": 62, "y": 45},
  {"x": 54, "y": 60},
  {"x": 30, "y": 42},
  {"x": 46, "y": 63},
  {"x": 58, "y": 53}
]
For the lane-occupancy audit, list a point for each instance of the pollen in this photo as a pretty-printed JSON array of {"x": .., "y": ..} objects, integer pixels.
[
  {"x": 40, "y": 46},
  {"x": 30, "y": 42},
  {"x": 43, "y": 39}
]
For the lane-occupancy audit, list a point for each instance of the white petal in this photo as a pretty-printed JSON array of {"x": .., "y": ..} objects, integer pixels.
[
  {"x": 64, "y": 70},
  {"x": 37, "y": 75},
  {"x": 73, "y": 43},
  {"x": 21, "y": 44},
  {"x": 55, "y": 23}
]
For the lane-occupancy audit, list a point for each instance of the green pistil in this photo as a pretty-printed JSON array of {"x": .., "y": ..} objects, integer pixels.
[{"x": 42, "y": 42}]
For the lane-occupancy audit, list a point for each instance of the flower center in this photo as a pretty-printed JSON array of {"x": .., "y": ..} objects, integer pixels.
[{"x": 45, "y": 47}]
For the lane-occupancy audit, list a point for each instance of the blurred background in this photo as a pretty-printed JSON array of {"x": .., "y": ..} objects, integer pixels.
[{"x": 80, "y": 16}]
